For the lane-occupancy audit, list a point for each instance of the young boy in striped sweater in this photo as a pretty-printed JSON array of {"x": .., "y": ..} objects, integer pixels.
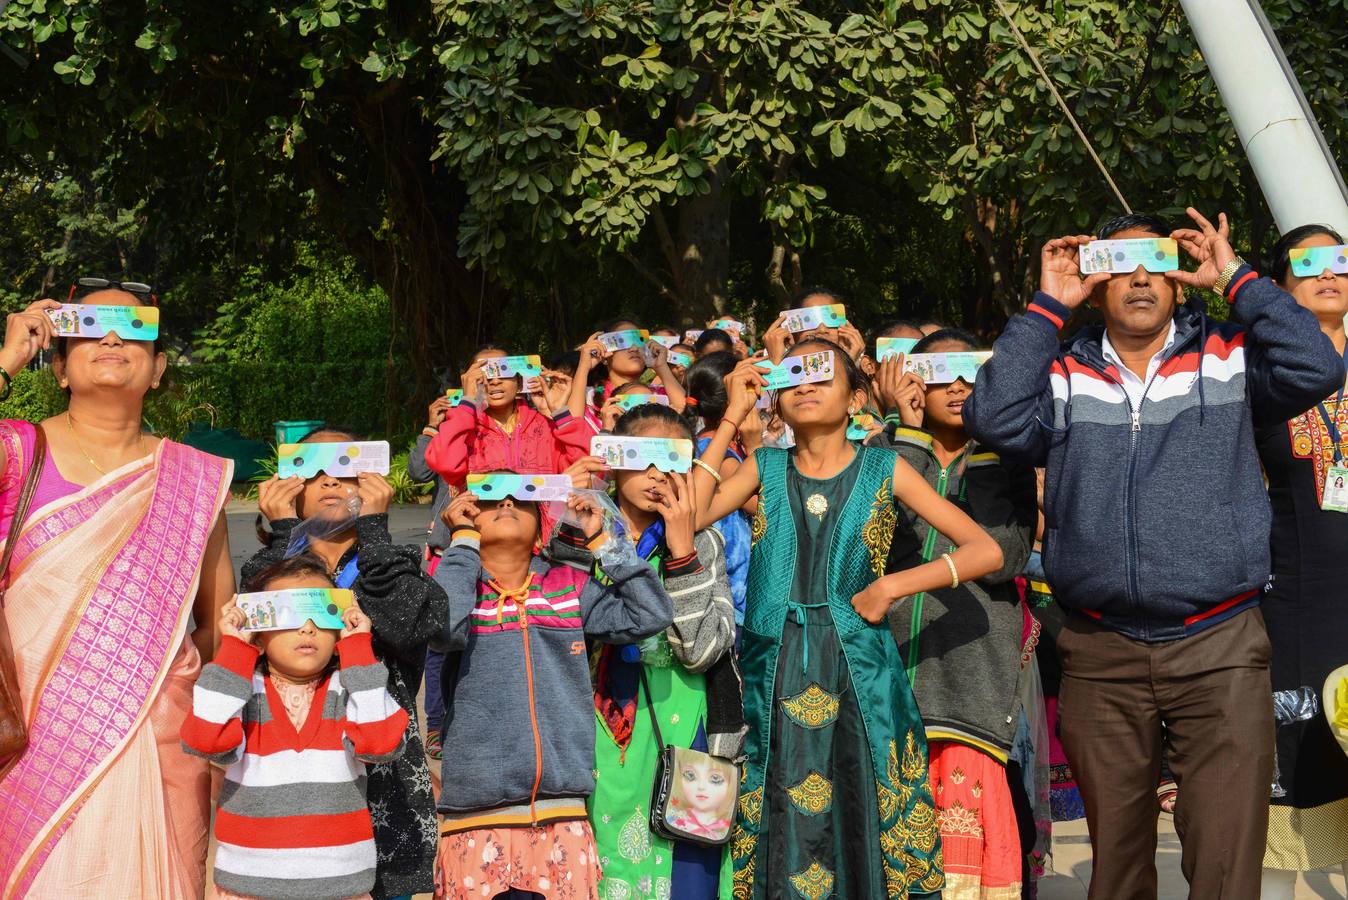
[{"x": 293, "y": 732}]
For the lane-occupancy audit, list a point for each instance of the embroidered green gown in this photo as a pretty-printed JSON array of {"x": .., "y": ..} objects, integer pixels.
[{"x": 836, "y": 800}]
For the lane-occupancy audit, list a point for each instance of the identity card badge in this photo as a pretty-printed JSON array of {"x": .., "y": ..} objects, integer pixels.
[
  {"x": 640, "y": 453},
  {"x": 1335, "y": 496},
  {"x": 88, "y": 320},
  {"x": 284, "y": 610},
  {"x": 526, "y": 368},
  {"x": 1152, "y": 254},
  {"x": 338, "y": 459},
  {"x": 807, "y": 368},
  {"x": 808, "y": 318},
  {"x": 533, "y": 488},
  {"x": 946, "y": 368},
  {"x": 888, "y": 348}
]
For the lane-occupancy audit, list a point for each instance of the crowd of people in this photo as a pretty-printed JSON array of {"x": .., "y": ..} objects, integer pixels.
[{"x": 871, "y": 639}]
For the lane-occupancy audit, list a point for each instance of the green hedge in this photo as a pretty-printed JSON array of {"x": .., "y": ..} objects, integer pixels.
[{"x": 357, "y": 394}]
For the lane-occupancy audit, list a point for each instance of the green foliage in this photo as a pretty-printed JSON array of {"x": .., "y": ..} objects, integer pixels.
[
  {"x": 35, "y": 396},
  {"x": 405, "y": 490},
  {"x": 580, "y": 158},
  {"x": 322, "y": 313}
]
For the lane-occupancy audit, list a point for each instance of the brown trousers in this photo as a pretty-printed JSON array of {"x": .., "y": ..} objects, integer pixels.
[{"x": 1213, "y": 693}]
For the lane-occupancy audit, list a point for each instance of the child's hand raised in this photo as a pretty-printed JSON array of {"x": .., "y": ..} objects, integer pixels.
[
  {"x": 587, "y": 515},
  {"x": 582, "y": 472},
  {"x": 901, "y": 392},
  {"x": 678, "y": 508},
  {"x": 592, "y": 353},
  {"x": 609, "y": 414},
  {"x": 777, "y": 340},
  {"x": 233, "y": 622},
  {"x": 355, "y": 621},
  {"x": 743, "y": 385},
  {"x": 462, "y": 511},
  {"x": 375, "y": 493},
  {"x": 558, "y": 388},
  {"x": 851, "y": 340},
  {"x": 276, "y": 497}
]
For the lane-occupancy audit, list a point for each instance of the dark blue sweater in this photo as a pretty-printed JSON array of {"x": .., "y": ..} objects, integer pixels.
[{"x": 1156, "y": 520}]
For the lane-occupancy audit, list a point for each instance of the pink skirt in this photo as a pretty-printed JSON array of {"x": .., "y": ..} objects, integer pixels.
[{"x": 558, "y": 861}]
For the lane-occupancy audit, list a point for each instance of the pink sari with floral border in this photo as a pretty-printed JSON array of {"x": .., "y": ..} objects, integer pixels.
[{"x": 104, "y": 802}]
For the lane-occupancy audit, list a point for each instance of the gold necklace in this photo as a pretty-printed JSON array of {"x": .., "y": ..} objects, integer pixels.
[{"x": 70, "y": 423}]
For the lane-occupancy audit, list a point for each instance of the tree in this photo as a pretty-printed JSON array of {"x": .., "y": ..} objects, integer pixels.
[
  {"x": 629, "y": 126},
  {"x": 519, "y": 168}
]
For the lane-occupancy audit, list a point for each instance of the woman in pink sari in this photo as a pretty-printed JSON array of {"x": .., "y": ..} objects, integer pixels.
[{"x": 124, "y": 545}]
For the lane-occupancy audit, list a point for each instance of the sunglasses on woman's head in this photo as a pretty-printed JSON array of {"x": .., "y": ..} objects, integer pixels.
[{"x": 137, "y": 289}]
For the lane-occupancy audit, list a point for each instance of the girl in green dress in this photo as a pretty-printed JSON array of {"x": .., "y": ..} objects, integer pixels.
[
  {"x": 690, "y": 674},
  {"x": 835, "y": 799}
]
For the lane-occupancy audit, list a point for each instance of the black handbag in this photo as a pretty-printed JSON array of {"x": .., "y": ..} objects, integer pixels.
[{"x": 695, "y": 793}]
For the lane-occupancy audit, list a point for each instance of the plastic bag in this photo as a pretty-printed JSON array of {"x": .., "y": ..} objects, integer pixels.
[
  {"x": 325, "y": 523},
  {"x": 618, "y": 548},
  {"x": 1296, "y": 705}
]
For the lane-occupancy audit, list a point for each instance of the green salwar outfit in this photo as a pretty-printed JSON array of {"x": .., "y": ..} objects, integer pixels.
[
  {"x": 636, "y": 863},
  {"x": 836, "y": 800}
]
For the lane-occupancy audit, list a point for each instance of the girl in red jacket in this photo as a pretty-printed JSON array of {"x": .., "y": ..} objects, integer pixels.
[{"x": 495, "y": 429}]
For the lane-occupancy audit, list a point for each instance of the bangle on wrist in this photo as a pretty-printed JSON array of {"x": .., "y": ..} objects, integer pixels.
[
  {"x": 954, "y": 572},
  {"x": 9, "y": 386},
  {"x": 708, "y": 469}
]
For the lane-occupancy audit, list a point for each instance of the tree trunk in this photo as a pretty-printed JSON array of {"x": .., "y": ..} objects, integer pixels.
[
  {"x": 980, "y": 215},
  {"x": 704, "y": 250},
  {"x": 784, "y": 256},
  {"x": 441, "y": 310}
]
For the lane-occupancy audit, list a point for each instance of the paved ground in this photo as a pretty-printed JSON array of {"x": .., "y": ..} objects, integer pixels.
[
  {"x": 1072, "y": 863},
  {"x": 1071, "y": 844}
]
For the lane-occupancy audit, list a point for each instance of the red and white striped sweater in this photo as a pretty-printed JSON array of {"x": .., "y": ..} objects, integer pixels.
[{"x": 292, "y": 820}]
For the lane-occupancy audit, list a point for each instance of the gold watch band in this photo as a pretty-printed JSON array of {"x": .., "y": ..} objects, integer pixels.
[{"x": 1224, "y": 279}]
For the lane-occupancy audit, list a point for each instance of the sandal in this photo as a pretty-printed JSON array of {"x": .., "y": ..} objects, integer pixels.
[
  {"x": 1166, "y": 795},
  {"x": 435, "y": 749}
]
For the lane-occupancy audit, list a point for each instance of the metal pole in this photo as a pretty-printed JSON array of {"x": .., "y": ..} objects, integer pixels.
[{"x": 1298, "y": 175}]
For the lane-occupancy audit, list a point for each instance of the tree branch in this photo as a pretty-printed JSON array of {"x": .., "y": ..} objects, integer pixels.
[{"x": 645, "y": 272}]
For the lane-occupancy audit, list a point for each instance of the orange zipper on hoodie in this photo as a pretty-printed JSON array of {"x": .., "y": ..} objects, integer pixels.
[{"x": 533, "y": 715}]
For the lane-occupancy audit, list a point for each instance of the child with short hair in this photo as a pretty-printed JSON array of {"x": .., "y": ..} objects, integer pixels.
[
  {"x": 520, "y": 712},
  {"x": 406, "y": 608},
  {"x": 292, "y": 731}
]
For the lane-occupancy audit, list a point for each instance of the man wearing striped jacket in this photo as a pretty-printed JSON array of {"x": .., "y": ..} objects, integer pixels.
[
  {"x": 292, "y": 822},
  {"x": 1156, "y": 528}
]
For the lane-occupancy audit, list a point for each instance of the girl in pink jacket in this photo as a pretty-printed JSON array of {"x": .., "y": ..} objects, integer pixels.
[{"x": 494, "y": 428}]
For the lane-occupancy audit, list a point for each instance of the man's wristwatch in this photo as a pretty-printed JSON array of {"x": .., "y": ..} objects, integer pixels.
[{"x": 1226, "y": 275}]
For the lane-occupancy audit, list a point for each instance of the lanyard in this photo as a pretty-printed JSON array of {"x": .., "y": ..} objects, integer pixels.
[
  {"x": 349, "y": 573},
  {"x": 1331, "y": 422}
]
